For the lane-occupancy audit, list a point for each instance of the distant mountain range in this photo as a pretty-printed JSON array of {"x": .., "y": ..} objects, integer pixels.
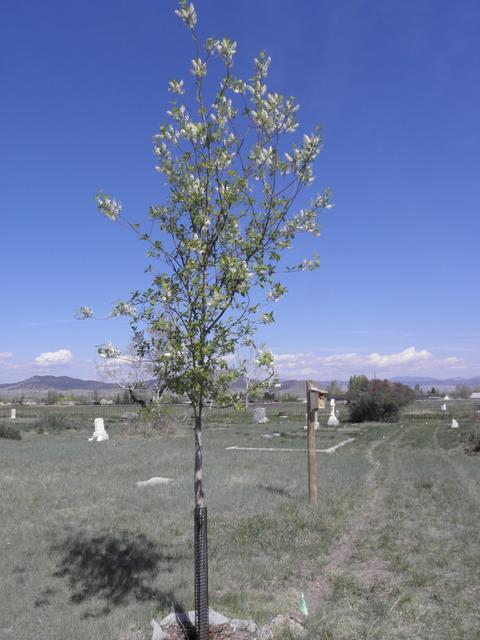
[
  {"x": 43, "y": 384},
  {"x": 56, "y": 383}
]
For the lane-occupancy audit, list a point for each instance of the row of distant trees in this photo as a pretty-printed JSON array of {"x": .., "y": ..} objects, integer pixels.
[
  {"x": 140, "y": 394},
  {"x": 460, "y": 391}
]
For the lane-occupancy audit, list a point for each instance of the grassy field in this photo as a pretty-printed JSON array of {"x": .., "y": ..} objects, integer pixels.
[{"x": 391, "y": 551}]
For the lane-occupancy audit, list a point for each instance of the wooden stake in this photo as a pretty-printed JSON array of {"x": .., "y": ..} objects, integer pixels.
[{"x": 311, "y": 447}]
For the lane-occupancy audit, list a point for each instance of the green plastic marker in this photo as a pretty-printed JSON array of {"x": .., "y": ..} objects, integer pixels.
[{"x": 303, "y": 605}]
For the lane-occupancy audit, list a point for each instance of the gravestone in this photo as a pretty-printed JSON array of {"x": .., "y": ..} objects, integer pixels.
[
  {"x": 455, "y": 424},
  {"x": 259, "y": 415},
  {"x": 99, "y": 433},
  {"x": 13, "y": 414},
  {"x": 333, "y": 421},
  {"x": 443, "y": 407}
]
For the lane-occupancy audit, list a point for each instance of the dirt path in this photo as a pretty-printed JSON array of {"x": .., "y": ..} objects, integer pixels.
[
  {"x": 342, "y": 553},
  {"x": 466, "y": 481}
]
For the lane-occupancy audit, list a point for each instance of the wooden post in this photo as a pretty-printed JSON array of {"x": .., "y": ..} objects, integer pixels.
[{"x": 311, "y": 447}]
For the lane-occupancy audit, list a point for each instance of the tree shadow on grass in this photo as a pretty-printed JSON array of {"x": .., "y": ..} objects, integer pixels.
[
  {"x": 276, "y": 490},
  {"x": 115, "y": 567}
]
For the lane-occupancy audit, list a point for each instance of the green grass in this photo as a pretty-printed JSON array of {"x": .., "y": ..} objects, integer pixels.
[
  {"x": 88, "y": 554},
  {"x": 414, "y": 570}
]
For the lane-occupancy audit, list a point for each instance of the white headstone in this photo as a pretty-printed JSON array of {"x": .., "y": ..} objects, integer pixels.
[
  {"x": 13, "y": 414},
  {"x": 259, "y": 415},
  {"x": 332, "y": 419},
  {"x": 99, "y": 433},
  {"x": 455, "y": 424},
  {"x": 443, "y": 407}
]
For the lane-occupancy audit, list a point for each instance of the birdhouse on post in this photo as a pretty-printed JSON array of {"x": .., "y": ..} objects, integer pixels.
[{"x": 316, "y": 399}]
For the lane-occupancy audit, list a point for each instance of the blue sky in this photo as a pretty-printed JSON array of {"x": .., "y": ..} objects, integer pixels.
[{"x": 395, "y": 86}]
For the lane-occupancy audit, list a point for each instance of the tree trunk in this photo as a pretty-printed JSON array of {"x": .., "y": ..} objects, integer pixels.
[
  {"x": 200, "y": 539},
  {"x": 198, "y": 478}
]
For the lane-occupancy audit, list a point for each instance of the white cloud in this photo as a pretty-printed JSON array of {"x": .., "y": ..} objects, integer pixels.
[
  {"x": 453, "y": 360},
  {"x": 410, "y": 360},
  {"x": 5, "y": 355},
  {"x": 52, "y": 358},
  {"x": 409, "y": 355}
]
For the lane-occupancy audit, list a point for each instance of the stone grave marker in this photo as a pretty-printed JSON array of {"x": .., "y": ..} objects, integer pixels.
[
  {"x": 260, "y": 415},
  {"x": 333, "y": 421},
  {"x": 99, "y": 433}
]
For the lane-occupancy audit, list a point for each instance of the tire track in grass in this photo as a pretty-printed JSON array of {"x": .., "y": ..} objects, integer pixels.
[
  {"x": 465, "y": 480},
  {"x": 343, "y": 551}
]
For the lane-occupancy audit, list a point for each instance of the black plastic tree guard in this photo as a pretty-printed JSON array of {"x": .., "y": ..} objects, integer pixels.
[{"x": 201, "y": 573}]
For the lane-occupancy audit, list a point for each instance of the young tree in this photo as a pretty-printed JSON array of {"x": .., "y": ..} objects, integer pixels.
[
  {"x": 462, "y": 391},
  {"x": 419, "y": 393},
  {"x": 131, "y": 372},
  {"x": 357, "y": 383},
  {"x": 216, "y": 243},
  {"x": 52, "y": 397},
  {"x": 254, "y": 376},
  {"x": 334, "y": 390}
]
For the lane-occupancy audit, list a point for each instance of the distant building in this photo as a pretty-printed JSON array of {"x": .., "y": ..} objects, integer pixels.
[{"x": 475, "y": 395}]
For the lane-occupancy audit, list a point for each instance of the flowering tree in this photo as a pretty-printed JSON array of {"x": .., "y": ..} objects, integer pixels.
[
  {"x": 249, "y": 368},
  {"x": 216, "y": 242},
  {"x": 131, "y": 373}
]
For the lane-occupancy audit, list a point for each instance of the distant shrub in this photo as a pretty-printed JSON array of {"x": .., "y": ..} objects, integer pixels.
[
  {"x": 56, "y": 423},
  {"x": 474, "y": 439},
  {"x": 130, "y": 416},
  {"x": 10, "y": 433},
  {"x": 151, "y": 420},
  {"x": 377, "y": 400}
]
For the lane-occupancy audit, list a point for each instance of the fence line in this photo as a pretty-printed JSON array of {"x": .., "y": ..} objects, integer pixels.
[
  {"x": 175, "y": 410},
  {"x": 184, "y": 411}
]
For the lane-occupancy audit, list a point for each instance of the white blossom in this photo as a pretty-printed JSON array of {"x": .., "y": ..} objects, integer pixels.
[
  {"x": 124, "y": 309},
  {"x": 199, "y": 68},
  {"x": 226, "y": 49},
  {"x": 109, "y": 351},
  {"x": 188, "y": 15},
  {"x": 85, "y": 312},
  {"x": 175, "y": 86},
  {"x": 108, "y": 206}
]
